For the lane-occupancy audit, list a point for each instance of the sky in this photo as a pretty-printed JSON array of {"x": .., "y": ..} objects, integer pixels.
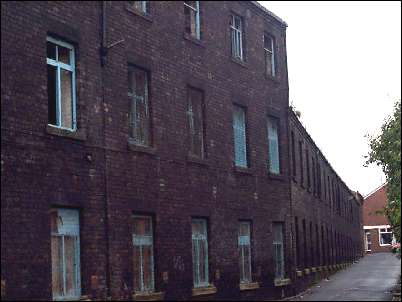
[{"x": 344, "y": 65}]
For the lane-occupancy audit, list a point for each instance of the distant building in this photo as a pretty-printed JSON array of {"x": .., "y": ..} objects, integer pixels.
[{"x": 378, "y": 236}]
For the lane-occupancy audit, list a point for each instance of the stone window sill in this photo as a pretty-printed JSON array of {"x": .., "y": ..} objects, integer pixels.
[
  {"x": 196, "y": 41},
  {"x": 274, "y": 79},
  {"x": 249, "y": 286},
  {"x": 282, "y": 282},
  {"x": 307, "y": 271},
  {"x": 85, "y": 298},
  {"x": 239, "y": 62},
  {"x": 133, "y": 146},
  {"x": 201, "y": 291},
  {"x": 243, "y": 170},
  {"x": 147, "y": 17},
  {"x": 299, "y": 273},
  {"x": 78, "y": 134},
  {"x": 158, "y": 296},
  {"x": 274, "y": 176},
  {"x": 197, "y": 160}
]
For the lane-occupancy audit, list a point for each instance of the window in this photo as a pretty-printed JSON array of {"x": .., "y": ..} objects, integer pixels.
[
  {"x": 269, "y": 53},
  {"x": 273, "y": 143},
  {"x": 61, "y": 84},
  {"x": 305, "y": 256},
  {"x": 245, "y": 251},
  {"x": 140, "y": 117},
  {"x": 278, "y": 250},
  {"x": 293, "y": 155},
  {"x": 308, "y": 171},
  {"x": 385, "y": 236},
  {"x": 200, "y": 252},
  {"x": 297, "y": 239},
  {"x": 143, "y": 254},
  {"x": 301, "y": 162},
  {"x": 236, "y": 34},
  {"x": 192, "y": 18},
  {"x": 196, "y": 125},
  {"x": 240, "y": 143},
  {"x": 141, "y": 6},
  {"x": 65, "y": 251}
]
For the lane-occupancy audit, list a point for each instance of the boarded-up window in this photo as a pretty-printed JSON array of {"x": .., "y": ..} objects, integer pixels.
[
  {"x": 269, "y": 52},
  {"x": 192, "y": 18},
  {"x": 61, "y": 84},
  {"x": 278, "y": 250},
  {"x": 143, "y": 258},
  {"x": 273, "y": 142},
  {"x": 138, "y": 95},
  {"x": 245, "y": 251},
  {"x": 196, "y": 124},
  {"x": 65, "y": 254},
  {"x": 240, "y": 142},
  {"x": 236, "y": 35},
  {"x": 200, "y": 252},
  {"x": 141, "y": 6}
]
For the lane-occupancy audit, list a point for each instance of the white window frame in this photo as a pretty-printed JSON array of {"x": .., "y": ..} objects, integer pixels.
[
  {"x": 69, "y": 67},
  {"x": 274, "y": 121},
  {"x": 242, "y": 130},
  {"x": 145, "y": 240},
  {"x": 366, "y": 241},
  {"x": 270, "y": 53},
  {"x": 143, "y": 7},
  {"x": 236, "y": 36},
  {"x": 244, "y": 241},
  {"x": 202, "y": 238},
  {"x": 197, "y": 18},
  {"x": 281, "y": 244},
  {"x": 387, "y": 231},
  {"x": 76, "y": 235}
]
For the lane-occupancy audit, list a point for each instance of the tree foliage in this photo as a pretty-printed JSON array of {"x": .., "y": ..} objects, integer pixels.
[{"x": 385, "y": 151}]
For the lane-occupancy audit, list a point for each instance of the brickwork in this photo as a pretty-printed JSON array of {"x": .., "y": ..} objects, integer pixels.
[{"x": 95, "y": 171}]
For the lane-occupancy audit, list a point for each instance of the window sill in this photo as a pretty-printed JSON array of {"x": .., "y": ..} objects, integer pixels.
[
  {"x": 243, "y": 170},
  {"x": 280, "y": 177},
  {"x": 78, "y": 134},
  {"x": 313, "y": 269},
  {"x": 307, "y": 271},
  {"x": 159, "y": 296},
  {"x": 299, "y": 273},
  {"x": 85, "y": 298},
  {"x": 197, "y": 160},
  {"x": 196, "y": 41},
  {"x": 201, "y": 291},
  {"x": 138, "y": 148},
  {"x": 274, "y": 79},
  {"x": 282, "y": 282},
  {"x": 145, "y": 16},
  {"x": 239, "y": 62},
  {"x": 249, "y": 286}
]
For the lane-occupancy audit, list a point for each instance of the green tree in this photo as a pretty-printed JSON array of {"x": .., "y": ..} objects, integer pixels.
[{"x": 385, "y": 151}]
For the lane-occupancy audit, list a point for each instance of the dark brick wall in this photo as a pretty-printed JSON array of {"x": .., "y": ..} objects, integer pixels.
[{"x": 95, "y": 171}]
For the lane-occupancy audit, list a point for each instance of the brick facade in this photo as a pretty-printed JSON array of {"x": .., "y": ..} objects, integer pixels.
[{"x": 96, "y": 170}]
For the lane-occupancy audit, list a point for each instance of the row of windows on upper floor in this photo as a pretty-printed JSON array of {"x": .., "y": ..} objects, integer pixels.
[
  {"x": 193, "y": 21},
  {"x": 318, "y": 182},
  {"x": 65, "y": 252},
  {"x": 62, "y": 109}
]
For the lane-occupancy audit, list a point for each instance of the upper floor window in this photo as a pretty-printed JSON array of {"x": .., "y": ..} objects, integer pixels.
[
  {"x": 196, "y": 124},
  {"x": 200, "y": 252},
  {"x": 143, "y": 254},
  {"x": 269, "y": 53},
  {"x": 192, "y": 18},
  {"x": 61, "y": 84},
  {"x": 141, "y": 6},
  {"x": 65, "y": 251},
  {"x": 140, "y": 116},
  {"x": 273, "y": 144},
  {"x": 239, "y": 132},
  {"x": 236, "y": 34},
  {"x": 245, "y": 251},
  {"x": 293, "y": 154},
  {"x": 301, "y": 162}
]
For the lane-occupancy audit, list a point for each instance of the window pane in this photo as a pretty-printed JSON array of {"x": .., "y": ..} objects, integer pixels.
[
  {"x": 64, "y": 55},
  {"x": 239, "y": 128},
  {"x": 200, "y": 252},
  {"x": 196, "y": 123},
  {"x": 203, "y": 262},
  {"x": 147, "y": 268},
  {"x": 51, "y": 94},
  {"x": 66, "y": 99},
  {"x": 278, "y": 249},
  {"x": 51, "y": 50},
  {"x": 142, "y": 226},
  {"x": 386, "y": 238},
  {"x": 273, "y": 145},
  {"x": 190, "y": 14},
  {"x": 196, "y": 263},
  {"x": 268, "y": 43},
  {"x": 57, "y": 266},
  {"x": 268, "y": 63},
  {"x": 137, "y": 277},
  {"x": 70, "y": 251}
]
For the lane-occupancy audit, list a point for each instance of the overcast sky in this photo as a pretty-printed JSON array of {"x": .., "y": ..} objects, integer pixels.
[{"x": 344, "y": 62}]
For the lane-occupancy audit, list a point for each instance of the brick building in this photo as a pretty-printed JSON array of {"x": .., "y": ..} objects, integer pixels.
[
  {"x": 145, "y": 155},
  {"x": 378, "y": 235}
]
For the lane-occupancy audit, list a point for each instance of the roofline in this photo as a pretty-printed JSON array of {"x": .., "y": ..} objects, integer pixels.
[
  {"x": 265, "y": 10},
  {"x": 374, "y": 191}
]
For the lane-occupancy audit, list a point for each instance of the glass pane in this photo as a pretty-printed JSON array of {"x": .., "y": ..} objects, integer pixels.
[
  {"x": 386, "y": 238},
  {"x": 203, "y": 262},
  {"x": 196, "y": 122},
  {"x": 137, "y": 268},
  {"x": 147, "y": 268},
  {"x": 239, "y": 128},
  {"x": 66, "y": 99},
  {"x": 268, "y": 63},
  {"x": 268, "y": 42},
  {"x": 70, "y": 250},
  {"x": 244, "y": 229},
  {"x": 190, "y": 19},
  {"x": 140, "y": 82},
  {"x": 278, "y": 232},
  {"x": 57, "y": 266},
  {"x": 195, "y": 262},
  {"x": 142, "y": 226},
  {"x": 51, "y": 50},
  {"x": 273, "y": 145},
  {"x": 64, "y": 55},
  {"x": 198, "y": 227},
  {"x": 237, "y": 22},
  {"x": 247, "y": 264},
  {"x": 51, "y": 94}
]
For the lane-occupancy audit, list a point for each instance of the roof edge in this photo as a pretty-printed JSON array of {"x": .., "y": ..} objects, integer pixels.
[
  {"x": 375, "y": 190},
  {"x": 265, "y": 10}
]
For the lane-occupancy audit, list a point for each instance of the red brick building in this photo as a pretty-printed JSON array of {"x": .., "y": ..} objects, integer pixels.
[
  {"x": 377, "y": 229},
  {"x": 145, "y": 155}
]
